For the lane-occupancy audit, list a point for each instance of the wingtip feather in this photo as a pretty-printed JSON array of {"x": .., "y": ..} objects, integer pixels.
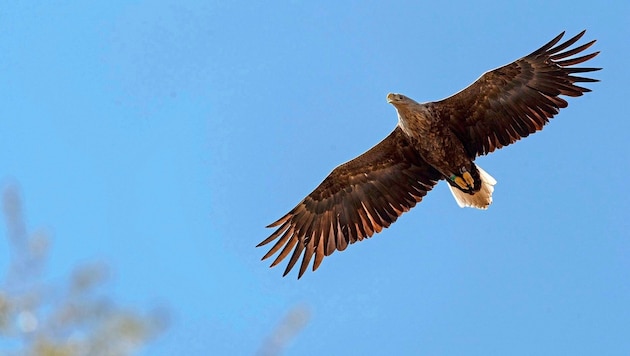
[{"x": 280, "y": 221}]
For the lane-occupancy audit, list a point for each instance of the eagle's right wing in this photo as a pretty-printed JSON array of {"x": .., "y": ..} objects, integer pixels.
[{"x": 357, "y": 199}]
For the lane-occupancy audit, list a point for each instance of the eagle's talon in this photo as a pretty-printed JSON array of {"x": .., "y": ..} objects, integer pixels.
[
  {"x": 461, "y": 183},
  {"x": 469, "y": 179}
]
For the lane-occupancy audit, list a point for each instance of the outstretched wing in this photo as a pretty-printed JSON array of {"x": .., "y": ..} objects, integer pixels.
[
  {"x": 356, "y": 200},
  {"x": 518, "y": 99}
]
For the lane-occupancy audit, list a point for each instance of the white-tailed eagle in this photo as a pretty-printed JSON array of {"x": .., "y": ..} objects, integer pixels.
[{"x": 432, "y": 141}]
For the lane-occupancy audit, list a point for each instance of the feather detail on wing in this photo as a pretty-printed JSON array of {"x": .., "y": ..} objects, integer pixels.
[
  {"x": 518, "y": 99},
  {"x": 357, "y": 199}
]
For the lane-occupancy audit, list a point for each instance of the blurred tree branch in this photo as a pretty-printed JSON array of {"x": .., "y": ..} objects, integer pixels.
[
  {"x": 68, "y": 319},
  {"x": 288, "y": 328}
]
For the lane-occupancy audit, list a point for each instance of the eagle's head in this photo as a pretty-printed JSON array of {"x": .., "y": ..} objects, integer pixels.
[
  {"x": 393, "y": 97},
  {"x": 411, "y": 115},
  {"x": 399, "y": 100}
]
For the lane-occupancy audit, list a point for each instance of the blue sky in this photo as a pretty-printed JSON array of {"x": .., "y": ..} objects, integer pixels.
[{"x": 161, "y": 137}]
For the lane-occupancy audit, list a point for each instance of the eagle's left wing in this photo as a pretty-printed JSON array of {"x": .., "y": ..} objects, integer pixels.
[{"x": 516, "y": 100}]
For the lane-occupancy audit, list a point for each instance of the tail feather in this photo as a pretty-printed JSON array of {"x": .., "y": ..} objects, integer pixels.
[{"x": 481, "y": 199}]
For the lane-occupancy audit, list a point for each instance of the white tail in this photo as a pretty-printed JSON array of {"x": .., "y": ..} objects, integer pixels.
[{"x": 480, "y": 200}]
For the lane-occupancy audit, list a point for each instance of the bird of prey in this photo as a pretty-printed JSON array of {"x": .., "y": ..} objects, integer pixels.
[{"x": 432, "y": 141}]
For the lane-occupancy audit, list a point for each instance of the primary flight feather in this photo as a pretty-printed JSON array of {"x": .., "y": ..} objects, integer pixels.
[{"x": 432, "y": 141}]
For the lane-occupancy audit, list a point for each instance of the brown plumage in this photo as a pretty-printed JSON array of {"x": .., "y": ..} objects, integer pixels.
[{"x": 432, "y": 141}]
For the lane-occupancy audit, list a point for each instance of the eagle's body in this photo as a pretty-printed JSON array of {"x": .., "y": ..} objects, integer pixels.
[
  {"x": 430, "y": 136},
  {"x": 437, "y": 144},
  {"x": 432, "y": 141}
]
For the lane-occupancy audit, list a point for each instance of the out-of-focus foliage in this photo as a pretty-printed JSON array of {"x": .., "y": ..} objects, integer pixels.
[
  {"x": 61, "y": 319},
  {"x": 285, "y": 332}
]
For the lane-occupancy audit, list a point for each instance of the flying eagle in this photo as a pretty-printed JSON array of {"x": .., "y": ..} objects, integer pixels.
[{"x": 432, "y": 141}]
